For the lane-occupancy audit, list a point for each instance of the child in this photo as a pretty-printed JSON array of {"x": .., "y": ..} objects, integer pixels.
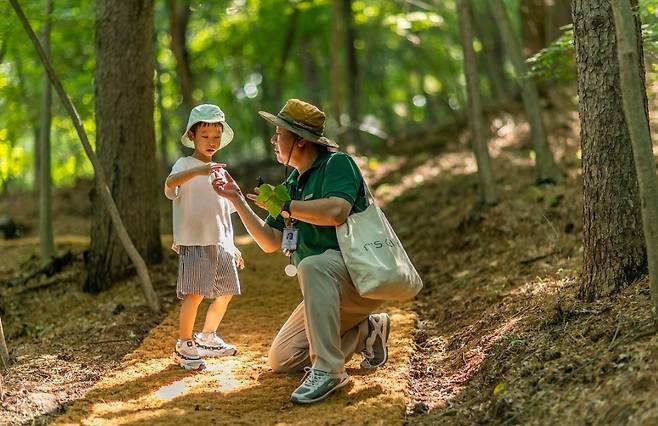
[{"x": 203, "y": 237}]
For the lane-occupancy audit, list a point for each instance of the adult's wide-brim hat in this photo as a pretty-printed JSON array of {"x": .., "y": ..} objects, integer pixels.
[
  {"x": 207, "y": 113},
  {"x": 303, "y": 119}
]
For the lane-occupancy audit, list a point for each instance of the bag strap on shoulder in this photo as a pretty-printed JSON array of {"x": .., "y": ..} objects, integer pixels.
[{"x": 370, "y": 198}]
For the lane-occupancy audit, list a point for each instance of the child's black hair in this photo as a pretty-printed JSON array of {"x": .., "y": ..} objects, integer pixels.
[{"x": 198, "y": 124}]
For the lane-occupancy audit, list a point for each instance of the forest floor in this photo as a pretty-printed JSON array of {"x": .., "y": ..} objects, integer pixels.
[{"x": 497, "y": 336}]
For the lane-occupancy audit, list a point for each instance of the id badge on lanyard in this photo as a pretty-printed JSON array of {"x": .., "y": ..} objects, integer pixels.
[
  {"x": 289, "y": 240},
  {"x": 289, "y": 245}
]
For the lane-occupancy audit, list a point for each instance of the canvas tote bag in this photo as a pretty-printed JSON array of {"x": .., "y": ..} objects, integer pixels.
[{"x": 378, "y": 265}]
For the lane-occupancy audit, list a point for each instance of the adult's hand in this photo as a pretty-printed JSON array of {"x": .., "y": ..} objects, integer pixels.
[
  {"x": 227, "y": 187},
  {"x": 253, "y": 197},
  {"x": 268, "y": 239}
]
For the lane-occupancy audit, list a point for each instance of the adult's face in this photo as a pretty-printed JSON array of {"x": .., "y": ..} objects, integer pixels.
[{"x": 283, "y": 141}]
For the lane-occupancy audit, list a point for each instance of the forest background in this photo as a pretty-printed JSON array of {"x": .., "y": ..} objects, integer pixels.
[{"x": 392, "y": 77}]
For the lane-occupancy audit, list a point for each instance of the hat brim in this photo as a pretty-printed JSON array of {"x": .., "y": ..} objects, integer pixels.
[
  {"x": 278, "y": 121},
  {"x": 227, "y": 134}
]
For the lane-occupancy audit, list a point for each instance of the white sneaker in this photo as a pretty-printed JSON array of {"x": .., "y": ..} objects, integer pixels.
[
  {"x": 211, "y": 345},
  {"x": 376, "y": 351},
  {"x": 187, "y": 356}
]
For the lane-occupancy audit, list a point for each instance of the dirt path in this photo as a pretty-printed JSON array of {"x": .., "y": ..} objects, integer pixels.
[{"x": 146, "y": 388}]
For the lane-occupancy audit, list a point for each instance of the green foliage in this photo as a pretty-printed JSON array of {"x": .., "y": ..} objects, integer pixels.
[
  {"x": 409, "y": 54},
  {"x": 273, "y": 197},
  {"x": 557, "y": 61},
  {"x": 22, "y": 82}
]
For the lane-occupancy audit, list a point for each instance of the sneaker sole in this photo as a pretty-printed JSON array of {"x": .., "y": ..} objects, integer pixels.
[
  {"x": 387, "y": 331},
  {"x": 340, "y": 385},
  {"x": 213, "y": 354},
  {"x": 188, "y": 365}
]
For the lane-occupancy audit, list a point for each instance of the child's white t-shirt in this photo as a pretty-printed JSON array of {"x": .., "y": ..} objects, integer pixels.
[{"x": 200, "y": 216}]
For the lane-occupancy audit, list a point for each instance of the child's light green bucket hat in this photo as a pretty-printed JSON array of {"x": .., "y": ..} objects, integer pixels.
[{"x": 207, "y": 113}]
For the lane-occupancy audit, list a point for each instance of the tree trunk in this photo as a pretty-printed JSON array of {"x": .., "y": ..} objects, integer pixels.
[
  {"x": 633, "y": 90},
  {"x": 125, "y": 139},
  {"x": 613, "y": 244},
  {"x": 33, "y": 116},
  {"x": 488, "y": 194},
  {"x": 4, "y": 352},
  {"x": 179, "y": 16},
  {"x": 137, "y": 260},
  {"x": 163, "y": 122},
  {"x": 273, "y": 87},
  {"x": 533, "y": 32},
  {"x": 547, "y": 170},
  {"x": 492, "y": 55},
  {"x": 352, "y": 73},
  {"x": 309, "y": 71},
  {"x": 36, "y": 133},
  {"x": 3, "y": 49},
  {"x": 46, "y": 239},
  {"x": 334, "y": 69},
  {"x": 558, "y": 14}
]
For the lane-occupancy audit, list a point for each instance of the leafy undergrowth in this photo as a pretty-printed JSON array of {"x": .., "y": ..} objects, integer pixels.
[
  {"x": 61, "y": 339},
  {"x": 502, "y": 338}
]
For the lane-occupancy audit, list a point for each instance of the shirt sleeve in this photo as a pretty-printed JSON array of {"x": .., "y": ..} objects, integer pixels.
[
  {"x": 342, "y": 178},
  {"x": 172, "y": 193}
]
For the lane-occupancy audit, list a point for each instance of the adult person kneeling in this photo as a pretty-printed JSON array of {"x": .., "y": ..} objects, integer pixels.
[{"x": 333, "y": 322}]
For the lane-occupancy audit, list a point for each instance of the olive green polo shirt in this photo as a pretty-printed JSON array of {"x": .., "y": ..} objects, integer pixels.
[{"x": 333, "y": 174}]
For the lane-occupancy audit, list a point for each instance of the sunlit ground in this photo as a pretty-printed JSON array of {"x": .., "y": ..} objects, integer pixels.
[{"x": 148, "y": 389}]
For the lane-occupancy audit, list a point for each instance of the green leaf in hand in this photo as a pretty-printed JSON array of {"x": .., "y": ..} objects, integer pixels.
[{"x": 272, "y": 197}]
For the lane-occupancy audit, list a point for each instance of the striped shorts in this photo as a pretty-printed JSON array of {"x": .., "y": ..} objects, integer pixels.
[{"x": 209, "y": 271}]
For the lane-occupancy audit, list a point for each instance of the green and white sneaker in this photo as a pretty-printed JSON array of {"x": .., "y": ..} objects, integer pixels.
[
  {"x": 376, "y": 351},
  {"x": 211, "y": 345},
  {"x": 187, "y": 356},
  {"x": 317, "y": 385}
]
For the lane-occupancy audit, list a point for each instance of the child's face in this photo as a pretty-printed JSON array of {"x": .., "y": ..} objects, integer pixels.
[{"x": 206, "y": 139}]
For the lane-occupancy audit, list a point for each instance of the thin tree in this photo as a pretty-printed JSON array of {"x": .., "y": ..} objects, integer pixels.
[
  {"x": 310, "y": 72},
  {"x": 33, "y": 114},
  {"x": 46, "y": 239},
  {"x": 533, "y": 26},
  {"x": 351, "y": 72},
  {"x": 163, "y": 121},
  {"x": 334, "y": 69},
  {"x": 273, "y": 90},
  {"x": 106, "y": 196},
  {"x": 179, "y": 17},
  {"x": 488, "y": 196},
  {"x": 125, "y": 139},
  {"x": 492, "y": 53},
  {"x": 614, "y": 252},
  {"x": 558, "y": 14},
  {"x": 547, "y": 170},
  {"x": 4, "y": 352},
  {"x": 633, "y": 93}
]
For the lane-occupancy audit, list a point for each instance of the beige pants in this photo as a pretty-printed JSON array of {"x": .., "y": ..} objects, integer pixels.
[{"x": 331, "y": 323}]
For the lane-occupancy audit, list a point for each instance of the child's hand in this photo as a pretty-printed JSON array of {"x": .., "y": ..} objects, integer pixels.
[
  {"x": 239, "y": 260},
  {"x": 210, "y": 168}
]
